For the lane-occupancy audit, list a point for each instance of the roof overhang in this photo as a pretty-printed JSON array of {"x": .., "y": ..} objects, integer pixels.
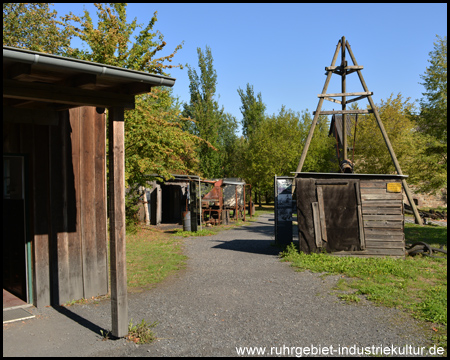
[
  {"x": 38, "y": 80},
  {"x": 347, "y": 175}
]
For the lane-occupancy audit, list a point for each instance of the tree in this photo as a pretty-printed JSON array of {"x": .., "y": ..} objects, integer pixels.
[
  {"x": 321, "y": 156},
  {"x": 228, "y": 144},
  {"x": 276, "y": 146},
  {"x": 109, "y": 43},
  {"x": 433, "y": 115},
  {"x": 33, "y": 26},
  {"x": 371, "y": 153},
  {"x": 154, "y": 139},
  {"x": 252, "y": 110},
  {"x": 209, "y": 122}
]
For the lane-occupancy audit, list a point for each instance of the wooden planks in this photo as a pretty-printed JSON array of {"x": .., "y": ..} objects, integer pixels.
[
  {"x": 74, "y": 157},
  {"x": 366, "y": 219},
  {"x": 67, "y": 191},
  {"x": 87, "y": 174},
  {"x": 317, "y": 226},
  {"x": 382, "y": 213},
  {"x": 101, "y": 206},
  {"x": 40, "y": 201},
  {"x": 321, "y": 208}
]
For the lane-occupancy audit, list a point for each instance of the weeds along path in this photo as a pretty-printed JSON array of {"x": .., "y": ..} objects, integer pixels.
[{"x": 235, "y": 292}]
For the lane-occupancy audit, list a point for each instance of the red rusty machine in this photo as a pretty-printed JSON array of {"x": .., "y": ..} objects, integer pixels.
[{"x": 226, "y": 196}]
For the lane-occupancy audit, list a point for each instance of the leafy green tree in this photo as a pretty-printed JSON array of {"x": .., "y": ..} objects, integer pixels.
[
  {"x": 110, "y": 42},
  {"x": 433, "y": 115},
  {"x": 209, "y": 122},
  {"x": 154, "y": 139},
  {"x": 371, "y": 153},
  {"x": 228, "y": 145},
  {"x": 276, "y": 146},
  {"x": 252, "y": 110},
  {"x": 33, "y": 26},
  {"x": 321, "y": 156}
]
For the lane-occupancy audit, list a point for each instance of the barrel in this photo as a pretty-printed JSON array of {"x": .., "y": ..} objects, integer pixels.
[{"x": 186, "y": 221}]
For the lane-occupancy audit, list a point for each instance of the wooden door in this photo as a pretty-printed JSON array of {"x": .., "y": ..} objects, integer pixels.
[
  {"x": 338, "y": 210},
  {"x": 14, "y": 227}
]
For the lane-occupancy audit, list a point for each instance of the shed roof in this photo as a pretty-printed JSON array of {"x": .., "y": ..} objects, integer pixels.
[{"x": 58, "y": 82}]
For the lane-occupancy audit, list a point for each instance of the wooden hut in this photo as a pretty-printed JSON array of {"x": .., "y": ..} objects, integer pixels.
[
  {"x": 168, "y": 201},
  {"x": 350, "y": 214},
  {"x": 54, "y": 166}
]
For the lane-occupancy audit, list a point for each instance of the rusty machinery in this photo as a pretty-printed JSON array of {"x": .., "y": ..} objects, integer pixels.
[{"x": 216, "y": 206}]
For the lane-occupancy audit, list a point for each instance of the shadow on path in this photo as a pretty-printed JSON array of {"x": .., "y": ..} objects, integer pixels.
[
  {"x": 264, "y": 247},
  {"x": 83, "y": 321}
]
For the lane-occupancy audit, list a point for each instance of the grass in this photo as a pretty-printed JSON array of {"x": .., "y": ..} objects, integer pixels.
[
  {"x": 152, "y": 255},
  {"x": 203, "y": 232},
  {"x": 417, "y": 284},
  {"x": 141, "y": 333}
]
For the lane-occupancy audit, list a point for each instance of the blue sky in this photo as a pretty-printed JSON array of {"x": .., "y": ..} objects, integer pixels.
[{"x": 282, "y": 49}]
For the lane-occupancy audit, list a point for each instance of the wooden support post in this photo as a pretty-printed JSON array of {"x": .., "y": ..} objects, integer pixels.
[
  {"x": 344, "y": 89},
  {"x": 316, "y": 115},
  {"x": 386, "y": 140},
  {"x": 119, "y": 299}
]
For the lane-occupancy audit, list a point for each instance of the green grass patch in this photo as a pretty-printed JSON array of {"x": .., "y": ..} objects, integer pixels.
[
  {"x": 202, "y": 232},
  {"x": 416, "y": 284},
  {"x": 152, "y": 256},
  {"x": 433, "y": 235}
]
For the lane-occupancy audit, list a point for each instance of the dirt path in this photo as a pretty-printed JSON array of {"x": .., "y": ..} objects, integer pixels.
[{"x": 234, "y": 293}]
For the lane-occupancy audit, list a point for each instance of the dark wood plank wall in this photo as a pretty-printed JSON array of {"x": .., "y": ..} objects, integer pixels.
[
  {"x": 382, "y": 213},
  {"x": 379, "y": 215},
  {"x": 67, "y": 189},
  {"x": 89, "y": 134}
]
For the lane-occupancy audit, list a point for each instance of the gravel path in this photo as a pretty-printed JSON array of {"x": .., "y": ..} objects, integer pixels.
[{"x": 233, "y": 293}]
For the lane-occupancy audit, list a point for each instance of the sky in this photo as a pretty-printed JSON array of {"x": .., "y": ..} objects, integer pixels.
[{"x": 283, "y": 49}]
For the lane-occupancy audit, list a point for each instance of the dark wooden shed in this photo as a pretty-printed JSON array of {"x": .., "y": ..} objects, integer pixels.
[
  {"x": 350, "y": 214},
  {"x": 54, "y": 177}
]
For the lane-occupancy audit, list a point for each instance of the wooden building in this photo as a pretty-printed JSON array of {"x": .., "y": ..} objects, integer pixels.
[
  {"x": 167, "y": 201},
  {"x": 54, "y": 177},
  {"x": 350, "y": 214}
]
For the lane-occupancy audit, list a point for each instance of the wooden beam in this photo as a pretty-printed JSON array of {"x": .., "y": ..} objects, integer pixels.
[
  {"x": 316, "y": 115},
  {"x": 317, "y": 226},
  {"x": 321, "y": 206},
  {"x": 119, "y": 297},
  {"x": 386, "y": 140},
  {"x": 30, "y": 116},
  {"x": 348, "y": 67},
  {"x": 18, "y": 70},
  {"x": 65, "y": 95},
  {"x": 344, "y": 100},
  {"x": 366, "y": 93},
  {"x": 333, "y": 100},
  {"x": 356, "y": 99},
  {"x": 83, "y": 81},
  {"x": 343, "y": 112}
]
